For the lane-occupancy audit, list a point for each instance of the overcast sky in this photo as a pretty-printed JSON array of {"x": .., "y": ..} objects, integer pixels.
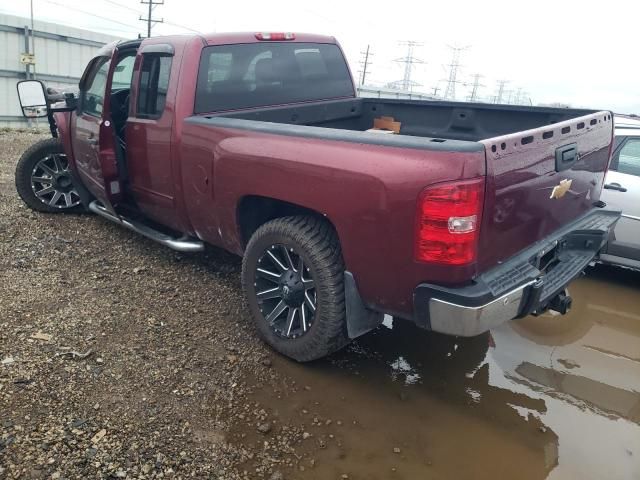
[{"x": 583, "y": 53}]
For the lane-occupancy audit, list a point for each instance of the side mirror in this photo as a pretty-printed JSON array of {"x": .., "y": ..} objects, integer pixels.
[{"x": 33, "y": 98}]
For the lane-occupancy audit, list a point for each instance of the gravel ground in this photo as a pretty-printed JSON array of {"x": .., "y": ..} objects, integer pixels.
[{"x": 122, "y": 359}]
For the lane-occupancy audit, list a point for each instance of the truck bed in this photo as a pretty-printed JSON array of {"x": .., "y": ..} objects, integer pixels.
[
  {"x": 437, "y": 120},
  {"x": 519, "y": 147}
]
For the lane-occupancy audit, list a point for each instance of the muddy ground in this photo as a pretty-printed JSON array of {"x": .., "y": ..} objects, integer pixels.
[{"x": 122, "y": 359}]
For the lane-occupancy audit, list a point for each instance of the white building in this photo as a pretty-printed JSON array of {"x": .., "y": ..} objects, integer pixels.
[{"x": 61, "y": 54}]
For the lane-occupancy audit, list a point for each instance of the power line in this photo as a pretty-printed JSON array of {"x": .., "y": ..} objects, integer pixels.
[
  {"x": 151, "y": 21},
  {"x": 182, "y": 26},
  {"x": 90, "y": 14},
  {"x": 409, "y": 60},
  {"x": 126, "y": 7}
]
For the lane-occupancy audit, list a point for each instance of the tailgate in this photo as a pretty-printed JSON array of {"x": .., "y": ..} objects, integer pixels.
[{"x": 540, "y": 180}]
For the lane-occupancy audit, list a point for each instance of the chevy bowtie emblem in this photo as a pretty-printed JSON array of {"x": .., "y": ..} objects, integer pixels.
[{"x": 562, "y": 188}]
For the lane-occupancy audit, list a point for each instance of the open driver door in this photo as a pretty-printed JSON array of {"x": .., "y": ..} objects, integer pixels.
[{"x": 95, "y": 144}]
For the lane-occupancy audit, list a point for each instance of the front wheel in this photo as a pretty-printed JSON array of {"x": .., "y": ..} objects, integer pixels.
[
  {"x": 293, "y": 277},
  {"x": 43, "y": 178}
]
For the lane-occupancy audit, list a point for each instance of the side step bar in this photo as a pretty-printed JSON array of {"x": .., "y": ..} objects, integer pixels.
[{"x": 183, "y": 244}]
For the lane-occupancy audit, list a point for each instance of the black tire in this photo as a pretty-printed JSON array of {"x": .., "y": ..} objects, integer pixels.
[
  {"x": 314, "y": 241},
  {"x": 25, "y": 170}
]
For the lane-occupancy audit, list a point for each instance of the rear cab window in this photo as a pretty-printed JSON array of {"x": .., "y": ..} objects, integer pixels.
[{"x": 270, "y": 73}]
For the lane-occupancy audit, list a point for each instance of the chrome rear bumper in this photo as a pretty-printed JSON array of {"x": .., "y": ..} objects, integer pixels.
[
  {"x": 524, "y": 284},
  {"x": 465, "y": 321}
]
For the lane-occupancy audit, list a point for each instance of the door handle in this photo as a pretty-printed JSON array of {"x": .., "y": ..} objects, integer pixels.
[
  {"x": 566, "y": 156},
  {"x": 92, "y": 141},
  {"x": 615, "y": 186}
]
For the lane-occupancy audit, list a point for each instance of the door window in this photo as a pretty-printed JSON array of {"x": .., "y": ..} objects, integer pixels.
[
  {"x": 154, "y": 83},
  {"x": 628, "y": 160},
  {"x": 122, "y": 73},
  {"x": 93, "y": 92}
]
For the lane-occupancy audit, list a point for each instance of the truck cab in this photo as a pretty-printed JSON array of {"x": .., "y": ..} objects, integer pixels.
[{"x": 122, "y": 123}]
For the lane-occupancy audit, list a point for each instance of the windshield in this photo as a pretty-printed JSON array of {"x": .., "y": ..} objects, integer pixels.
[{"x": 270, "y": 73}]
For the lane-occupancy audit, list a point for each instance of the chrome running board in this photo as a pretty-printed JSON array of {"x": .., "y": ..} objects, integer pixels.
[{"x": 184, "y": 244}]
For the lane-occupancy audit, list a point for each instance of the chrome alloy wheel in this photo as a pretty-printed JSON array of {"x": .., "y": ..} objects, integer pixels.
[
  {"x": 285, "y": 291},
  {"x": 52, "y": 184}
]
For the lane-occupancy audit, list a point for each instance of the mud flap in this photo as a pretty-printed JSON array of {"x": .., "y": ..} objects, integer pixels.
[{"x": 360, "y": 319}]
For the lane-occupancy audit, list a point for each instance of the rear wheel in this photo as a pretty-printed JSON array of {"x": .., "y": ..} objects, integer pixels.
[
  {"x": 43, "y": 178},
  {"x": 293, "y": 276}
]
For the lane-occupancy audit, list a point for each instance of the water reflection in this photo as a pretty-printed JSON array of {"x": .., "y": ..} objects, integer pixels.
[
  {"x": 585, "y": 367},
  {"x": 545, "y": 397},
  {"x": 400, "y": 368}
]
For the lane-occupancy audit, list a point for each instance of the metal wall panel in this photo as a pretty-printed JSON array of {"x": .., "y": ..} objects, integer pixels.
[{"x": 61, "y": 55}]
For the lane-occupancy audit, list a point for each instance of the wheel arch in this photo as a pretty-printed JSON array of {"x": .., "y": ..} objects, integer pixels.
[{"x": 254, "y": 211}]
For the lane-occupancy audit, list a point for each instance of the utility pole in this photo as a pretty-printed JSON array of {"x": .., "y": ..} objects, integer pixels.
[
  {"x": 364, "y": 63},
  {"x": 27, "y": 63},
  {"x": 33, "y": 43},
  {"x": 450, "y": 91},
  {"x": 501, "y": 91},
  {"x": 475, "y": 86},
  {"x": 409, "y": 60},
  {"x": 150, "y": 20}
]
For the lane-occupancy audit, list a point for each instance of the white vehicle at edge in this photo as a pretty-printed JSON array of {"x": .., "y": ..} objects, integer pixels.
[{"x": 622, "y": 191}]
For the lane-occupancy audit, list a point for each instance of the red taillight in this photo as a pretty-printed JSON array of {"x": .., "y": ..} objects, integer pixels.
[
  {"x": 275, "y": 36},
  {"x": 448, "y": 222}
]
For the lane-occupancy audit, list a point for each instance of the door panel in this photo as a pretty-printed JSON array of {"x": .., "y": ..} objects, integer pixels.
[
  {"x": 149, "y": 133},
  {"x": 94, "y": 141},
  {"x": 85, "y": 144},
  {"x": 87, "y": 127}
]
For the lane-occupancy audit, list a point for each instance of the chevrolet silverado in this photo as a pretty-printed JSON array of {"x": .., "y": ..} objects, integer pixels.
[{"x": 456, "y": 216}]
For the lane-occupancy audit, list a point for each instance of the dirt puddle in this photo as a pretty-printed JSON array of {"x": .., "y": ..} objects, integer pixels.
[{"x": 546, "y": 397}]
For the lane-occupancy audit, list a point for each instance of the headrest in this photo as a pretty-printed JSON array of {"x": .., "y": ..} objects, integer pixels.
[{"x": 265, "y": 71}]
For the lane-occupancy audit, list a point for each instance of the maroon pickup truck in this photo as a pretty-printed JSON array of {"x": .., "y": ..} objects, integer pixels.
[{"x": 455, "y": 216}]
